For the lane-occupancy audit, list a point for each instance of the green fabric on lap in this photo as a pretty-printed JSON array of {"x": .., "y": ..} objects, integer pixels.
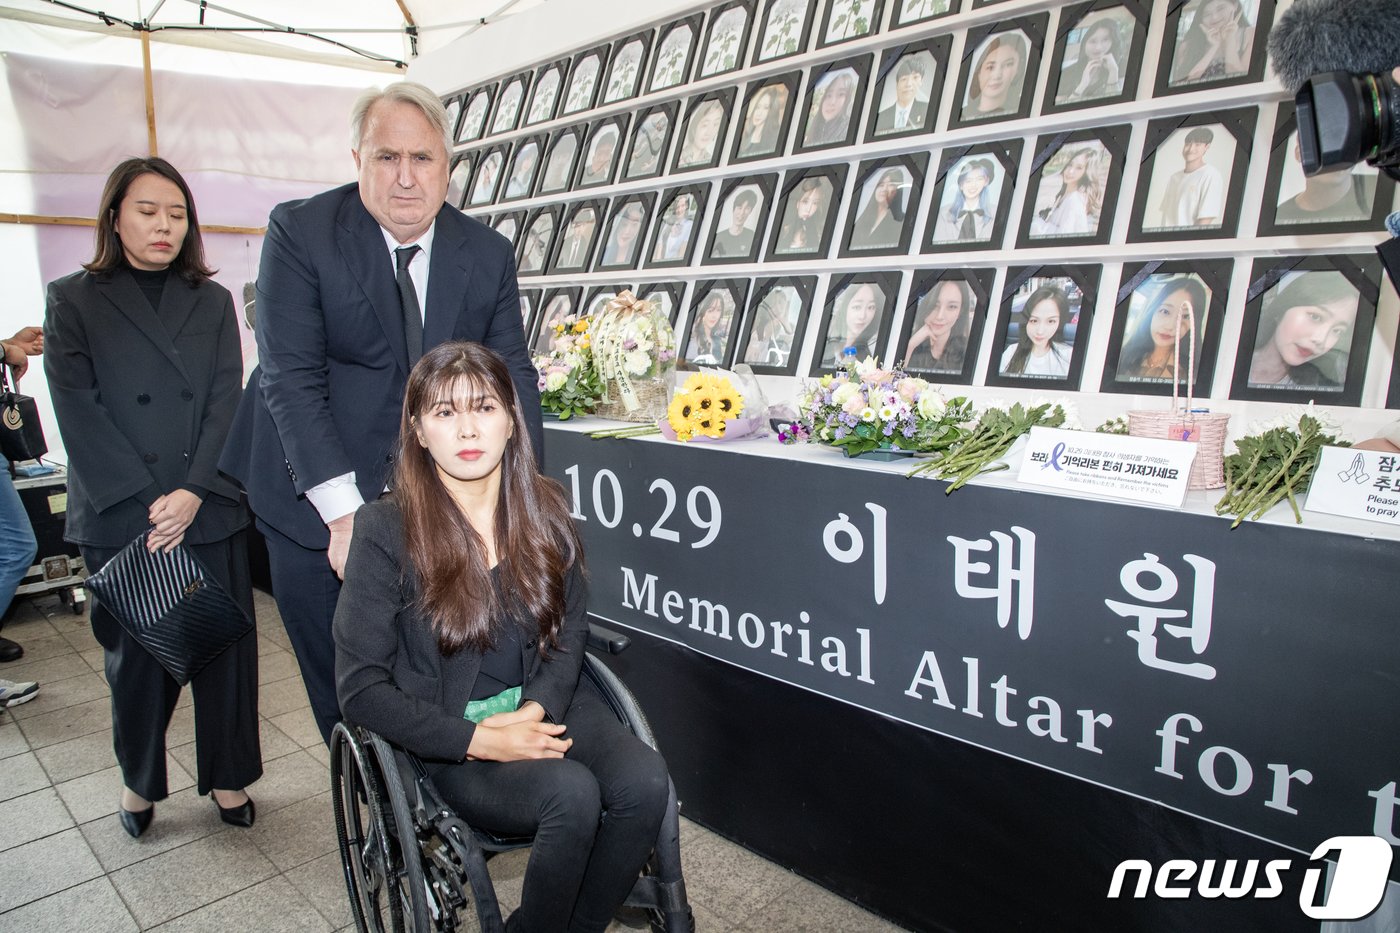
[{"x": 507, "y": 701}]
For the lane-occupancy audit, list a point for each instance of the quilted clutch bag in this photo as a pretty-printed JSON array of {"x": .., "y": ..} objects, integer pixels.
[{"x": 171, "y": 605}]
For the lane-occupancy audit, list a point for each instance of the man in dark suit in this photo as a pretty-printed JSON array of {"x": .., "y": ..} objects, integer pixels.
[
  {"x": 908, "y": 111},
  {"x": 354, "y": 285}
]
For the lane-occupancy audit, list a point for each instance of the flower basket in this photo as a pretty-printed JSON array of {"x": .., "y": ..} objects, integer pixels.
[
  {"x": 568, "y": 381},
  {"x": 1184, "y": 422},
  {"x": 634, "y": 353}
]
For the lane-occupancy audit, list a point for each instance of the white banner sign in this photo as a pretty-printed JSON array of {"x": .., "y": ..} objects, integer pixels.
[
  {"x": 1358, "y": 484},
  {"x": 1138, "y": 469}
]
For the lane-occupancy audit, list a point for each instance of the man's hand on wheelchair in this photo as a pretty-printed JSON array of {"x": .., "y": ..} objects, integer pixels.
[{"x": 518, "y": 736}]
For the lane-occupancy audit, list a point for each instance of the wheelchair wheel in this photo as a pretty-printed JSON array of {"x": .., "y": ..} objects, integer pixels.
[{"x": 378, "y": 849}]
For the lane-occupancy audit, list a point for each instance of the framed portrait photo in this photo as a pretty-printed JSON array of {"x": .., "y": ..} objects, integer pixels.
[
  {"x": 476, "y": 106},
  {"x": 702, "y": 131},
  {"x": 1354, "y": 200},
  {"x": 649, "y": 141},
  {"x": 460, "y": 178},
  {"x": 775, "y": 324},
  {"x": 909, "y": 85},
  {"x": 453, "y": 106},
  {"x": 486, "y": 178},
  {"x": 668, "y": 297},
  {"x": 711, "y": 334},
  {"x": 675, "y": 51},
  {"x": 943, "y": 322},
  {"x": 556, "y": 304},
  {"x": 559, "y": 160},
  {"x": 726, "y": 37},
  {"x": 909, "y": 12},
  {"x": 1213, "y": 43},
  {"x": 744, "y": 205},
  {"x": 1098, "y": 55},
  {"x": 1043, "y": 329},
  {"x": 679, "y": 215},
  {"x": 856, "y": 322},
  {"x": 1192, "y": 176},
  {"x": 524, "y": 168},
  {"x": 508, "y": 225},
  {"x": 972, "y": 197},
  {"x": 832, "y": 109},
  {"x": 884, "y": 206},
  {"x": 1167, "y": 321},
  {"x": 598, "y": 297},
  {"x": 786, "y": 28},
  {"x": 601, "y": 152},
  {"x": 765, "y": 118},
  {"x": 1307, "y": 329},
  {"x": 529, "y": 309},
  {"x": 538, "y": 240},
  {"x": 585, "y": 76},
  {"x": 578, "y": 235},
  {"x": 510, "y": 103},
  {"x": 806, "y": 213},
  {"x": 626, "y": 67},
  {"x": 1000, "y": 62},
  {"x": 845, "y": 20},
  {"x": 1074, "y": 187},
  {"x": 626, "y": 232},
  {"x": 544, "y": 96}
]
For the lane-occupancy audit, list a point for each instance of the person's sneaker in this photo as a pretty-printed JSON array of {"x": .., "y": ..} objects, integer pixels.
[
  {"x": 13, "y": 694},
  {"x": 10, "y": 651}
]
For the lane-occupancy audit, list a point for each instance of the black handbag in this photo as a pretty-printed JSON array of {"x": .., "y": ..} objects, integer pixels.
[
  {"x": 21, "y": 435},
  {"x": 171, "y": 605}
]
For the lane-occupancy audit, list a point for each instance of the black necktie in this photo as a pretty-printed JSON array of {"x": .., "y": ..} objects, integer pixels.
[
  {"x": 408, "y": 297},
  {"x": 969, "y": 225}
]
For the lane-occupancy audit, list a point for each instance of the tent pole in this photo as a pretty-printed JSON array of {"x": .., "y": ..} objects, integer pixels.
[{"x": 150, "y": 92}]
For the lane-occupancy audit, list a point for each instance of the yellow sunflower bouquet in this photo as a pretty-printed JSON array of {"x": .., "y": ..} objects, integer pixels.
[{"x": 704, "y": 407}]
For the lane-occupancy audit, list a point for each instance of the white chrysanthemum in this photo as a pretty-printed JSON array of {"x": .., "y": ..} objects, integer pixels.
[
  {"x": 637, "y": 362},
  {"x": 555, "y": 381},
  {"x": 1072, "y": 422}
]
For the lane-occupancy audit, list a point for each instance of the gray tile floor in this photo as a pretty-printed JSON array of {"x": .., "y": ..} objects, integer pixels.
[{"x": 66, "y": 864}]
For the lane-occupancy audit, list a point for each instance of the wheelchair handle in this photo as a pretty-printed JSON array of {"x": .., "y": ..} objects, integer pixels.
[{"x": 605, "y": 639}]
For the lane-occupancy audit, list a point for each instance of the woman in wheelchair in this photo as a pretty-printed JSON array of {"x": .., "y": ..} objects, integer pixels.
[{"x": 460, "y": 635}]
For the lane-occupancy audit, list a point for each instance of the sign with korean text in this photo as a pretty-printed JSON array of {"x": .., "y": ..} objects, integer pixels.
[
  {"x": 1357, "y": 484},
  {"x": 1246, "y": 677},
  {"x": 1137, "y": 469}
]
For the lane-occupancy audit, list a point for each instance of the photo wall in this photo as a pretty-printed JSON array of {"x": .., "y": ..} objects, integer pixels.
[{"x": 1100, "y": 196}]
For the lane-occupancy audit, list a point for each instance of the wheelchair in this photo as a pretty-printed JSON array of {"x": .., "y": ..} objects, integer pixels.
[{"x": 412, "y": 864}]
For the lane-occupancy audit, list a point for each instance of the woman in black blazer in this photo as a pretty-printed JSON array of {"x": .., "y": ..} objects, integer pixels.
[
  {"x": 460, "y": 634},
  {"x": 145, "y": 370}
]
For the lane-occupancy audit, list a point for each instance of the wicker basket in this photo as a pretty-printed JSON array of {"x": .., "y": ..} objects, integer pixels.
[
  {"x": 625, "y": 328},
  {"x": 1183, "y": 423}
]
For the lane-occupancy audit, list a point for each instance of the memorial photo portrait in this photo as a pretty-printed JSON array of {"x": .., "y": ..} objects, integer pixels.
[
  {"x": 1214, "y": 42},
  {"x": 1190, "y": 179},
  {"x": 883, "y": 211},
  {"x": 854, "y": 327},
  {"x": 1355, "y": 199},
  {"x": 773, "y": 334},
  {"x": 711, "y": 324},
  {"x": 626, "y": 232},
  {"x": 832, "y": 109},
  {"x": 676, "y": 229},
  {"x": 724, "y": 44},
  {"x": 459, "y": 180},
  {"x": 488, "y": 173},
  {"x": 625, "y": 71},
  {"x": 539, "y": 237},
  {"x": 577, "y": 244},
  {"x": 1306, "y": 326},
  {"x": 646, "y": 154},
  {"x": 850, "y": 19},
  {"x": 1099, "y": 58},
  {"x": 600, "y": 155},
  {"x": 508, "y": 108},
  {"x": 473, "y": 122},
  {"x": 672, "y": 61},
  {"x": 905, "y": 98},
  {"x": 996, "y": 81},
  {"x": 545, "y": 94},
  {"x": 703, "y": 137},
  {"x": 916, "y": 11},
  {"x": 740, "y": 222},
  {"x": 1158, "y": 339},
  {"x": 666, "y": 296},
  {"x": 802, "y": 226},
  {"x": 559, "y": 166},
  {"x": 557, "y": 306},
  {"x": 764, "y": 121},
  {"x": 522, "y": 170},
  {"x": 786, "y": 24},
  {"x": 507, "y": 225},
  {"x": 939, "y": 328},
  {"x": 583, "y": 82},
  {"x": 1042, "y": 330},
  {"x": 1068, "y": 193},
  {"x": 970, "y": 204}
]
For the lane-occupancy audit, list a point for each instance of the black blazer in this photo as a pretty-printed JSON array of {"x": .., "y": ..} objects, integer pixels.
[
  {"x": 333, "y": 363},
  {"x": 143, "y": 406},
  {"x": 390, "y": 675}
]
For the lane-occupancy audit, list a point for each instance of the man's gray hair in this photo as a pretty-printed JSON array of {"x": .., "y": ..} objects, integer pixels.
[{"x": 405, "y": 92}]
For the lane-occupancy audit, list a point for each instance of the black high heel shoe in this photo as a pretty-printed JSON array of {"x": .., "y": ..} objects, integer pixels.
[
  {"x": 135, "y": 822},
  {"x": 241, "y": 815}
]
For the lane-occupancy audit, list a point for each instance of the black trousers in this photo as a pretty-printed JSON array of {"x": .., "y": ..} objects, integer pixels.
[
  {"x": 581, "y": 866},
  {"x": 228, "y": 753},
  {"x": 306, "y": 590}
]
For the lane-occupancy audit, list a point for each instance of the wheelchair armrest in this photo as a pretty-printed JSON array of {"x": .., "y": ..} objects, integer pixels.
[{"x": 604, "y": 639}]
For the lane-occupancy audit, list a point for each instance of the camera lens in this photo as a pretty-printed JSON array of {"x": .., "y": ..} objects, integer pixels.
[{"x": 1344, "y": 119}]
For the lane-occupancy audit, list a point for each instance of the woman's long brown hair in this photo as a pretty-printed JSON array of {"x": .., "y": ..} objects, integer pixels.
[{"x": 536, "y": 542}]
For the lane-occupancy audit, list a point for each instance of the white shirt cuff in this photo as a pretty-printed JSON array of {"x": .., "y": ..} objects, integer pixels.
[{"x": 336, "y": 497}]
